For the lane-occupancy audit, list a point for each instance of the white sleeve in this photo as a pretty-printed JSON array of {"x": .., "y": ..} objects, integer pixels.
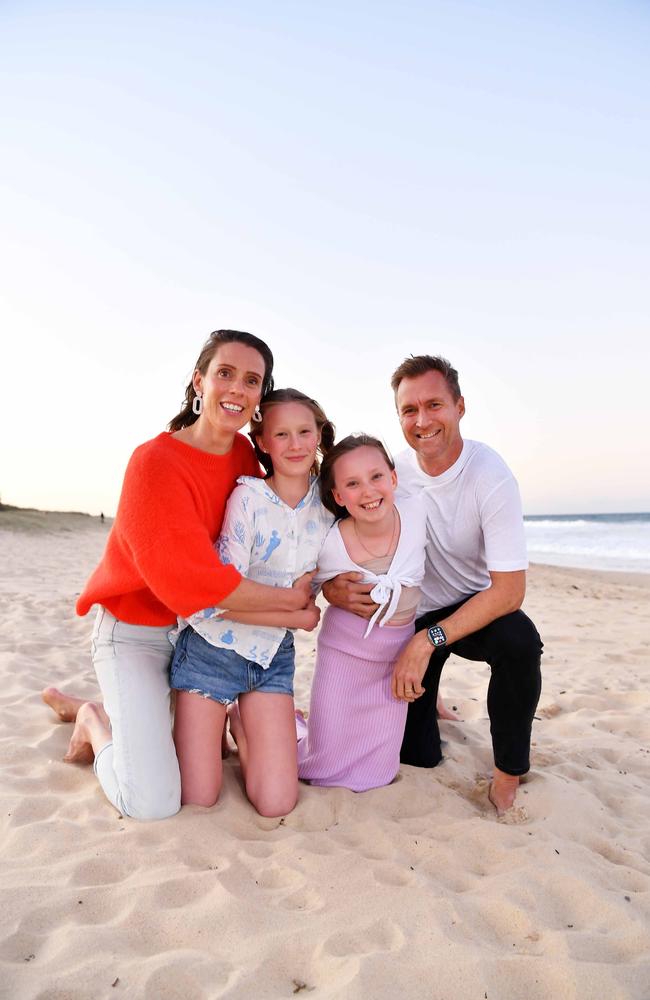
[
  {"x": 235, "y": 541},
  {"x": 502, "y": 522},
  {"x": 332, "y": 560}
]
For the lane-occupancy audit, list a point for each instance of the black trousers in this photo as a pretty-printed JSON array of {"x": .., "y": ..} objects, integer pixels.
[{"x": 512, "y": 647}]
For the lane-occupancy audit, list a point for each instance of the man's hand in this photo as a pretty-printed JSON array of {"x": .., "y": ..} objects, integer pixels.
[
  {"x": 344, "y": 591},
  {"x": 307, "y": 619},
  {"x": 302, "y": 591},
  {"x": 411, "y": 667}
]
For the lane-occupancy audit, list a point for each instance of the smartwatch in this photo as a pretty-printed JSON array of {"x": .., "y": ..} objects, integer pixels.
[{"x": 436, "y": 636}]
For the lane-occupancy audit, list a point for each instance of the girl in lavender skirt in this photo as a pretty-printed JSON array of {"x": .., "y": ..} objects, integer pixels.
[{"x": 355, "y": 727}]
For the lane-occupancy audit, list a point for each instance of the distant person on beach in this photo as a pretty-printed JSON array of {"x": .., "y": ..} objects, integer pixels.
[
  {"x": 160, "y": 562},
  {"x": 243, "y": 662},
  {"x": 474, "y": 580},
  {"x": 353, "y": 735}
]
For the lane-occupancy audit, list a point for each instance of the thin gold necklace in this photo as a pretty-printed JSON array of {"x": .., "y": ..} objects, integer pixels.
[{"x": 375, "y": 555}]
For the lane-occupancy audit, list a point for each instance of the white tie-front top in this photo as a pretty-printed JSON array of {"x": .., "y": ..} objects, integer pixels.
[{"x": 406, "y": 568}]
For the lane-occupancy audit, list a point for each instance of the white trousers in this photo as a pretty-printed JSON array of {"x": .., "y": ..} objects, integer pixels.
[{"x": 139, "y": 769}]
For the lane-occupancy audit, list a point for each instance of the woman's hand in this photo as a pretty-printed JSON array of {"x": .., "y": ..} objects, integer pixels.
[{"x": 344, "y": 591}]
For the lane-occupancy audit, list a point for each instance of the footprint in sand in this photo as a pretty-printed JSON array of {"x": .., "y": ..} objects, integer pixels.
[
  {"x": 102, "y": 871},
  {"x": 178, "y": 892},
  {"x": 542, "y": 758},
  {"x": 382, "y": 935},
  {"x": 186, "y": 973},
  {"x": 316, "y": 843},
  {"x": 368, "y": 843},
  {"x": 549, "y": 711},
  {"x": 279, "y": 877},
  {"x": 33, "y": 810},
  {"x": 306, "y": 899},
  {"x": 255, "y": 849},
  {"x": 394, "y": 875},
  {"x": 631, "y": 870},
  {"x": 20, "y": 947}
]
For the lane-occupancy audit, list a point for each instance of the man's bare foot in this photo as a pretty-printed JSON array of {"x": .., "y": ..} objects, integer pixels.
[
  {"x": 89, "y": 725},
  {"x": 444, "y": 712},
  {"x": 503, "y": 790}
]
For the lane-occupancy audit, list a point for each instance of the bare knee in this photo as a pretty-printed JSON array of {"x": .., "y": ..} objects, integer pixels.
[
  {"x": 196, "y": 793},
  {"x": 200, "y": 799},
  {"x": 274, "y": 803}
]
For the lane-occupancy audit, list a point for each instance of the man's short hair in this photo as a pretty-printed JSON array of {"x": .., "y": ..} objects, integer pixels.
[{"x": 420, "y": 364}]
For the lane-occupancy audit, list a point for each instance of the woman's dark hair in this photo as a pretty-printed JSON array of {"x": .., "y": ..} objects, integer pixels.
[
  {"x": 325, "y": 427},
  {"x": 343, "y": 447},
  {"x": 186, "y": 416}
]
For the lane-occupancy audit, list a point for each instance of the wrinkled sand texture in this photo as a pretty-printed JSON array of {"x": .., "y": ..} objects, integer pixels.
[{"x": 411, "y": 891}]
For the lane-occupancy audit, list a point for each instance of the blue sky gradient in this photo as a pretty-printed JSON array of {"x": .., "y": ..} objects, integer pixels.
[{"x": 353, "y": 182}]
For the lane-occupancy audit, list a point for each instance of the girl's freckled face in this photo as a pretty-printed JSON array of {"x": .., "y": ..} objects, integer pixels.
[
  {"x": 290, "y": 437},
  {"x": 364, "y": 484}
]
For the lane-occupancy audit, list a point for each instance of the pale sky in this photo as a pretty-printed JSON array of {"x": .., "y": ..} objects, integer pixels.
[{"x": 353, "y": 182}]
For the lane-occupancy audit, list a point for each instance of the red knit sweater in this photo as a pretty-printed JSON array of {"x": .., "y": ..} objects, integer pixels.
[{"x": 159, "y": 559}]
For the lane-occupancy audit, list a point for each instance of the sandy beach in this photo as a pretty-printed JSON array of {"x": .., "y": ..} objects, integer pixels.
[{"x": 409, "y": 891}]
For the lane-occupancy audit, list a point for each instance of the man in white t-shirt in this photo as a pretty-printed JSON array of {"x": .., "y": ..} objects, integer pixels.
[{"x": 475, "y": 576}]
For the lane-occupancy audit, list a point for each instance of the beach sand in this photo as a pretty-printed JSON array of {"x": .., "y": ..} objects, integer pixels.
[{"x": 409, "y": 891}]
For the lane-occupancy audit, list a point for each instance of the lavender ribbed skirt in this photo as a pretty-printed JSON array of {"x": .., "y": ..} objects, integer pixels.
[{"x": 355, "y": 728}]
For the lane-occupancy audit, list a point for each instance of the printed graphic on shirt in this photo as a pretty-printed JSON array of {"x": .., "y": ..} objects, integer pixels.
[{"x": 268, "y": 542}]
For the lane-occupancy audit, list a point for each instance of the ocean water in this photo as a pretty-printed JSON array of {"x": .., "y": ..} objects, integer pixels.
[{"x": 591, "y": 541}]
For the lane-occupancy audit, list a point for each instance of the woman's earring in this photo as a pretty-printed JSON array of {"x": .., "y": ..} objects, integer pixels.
[
  {"x": 197, "y": 405},
  {"x": 257, "y": 415}
]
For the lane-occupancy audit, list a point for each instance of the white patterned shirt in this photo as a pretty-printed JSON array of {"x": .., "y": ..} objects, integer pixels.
[{"x": 268, "y": 542}]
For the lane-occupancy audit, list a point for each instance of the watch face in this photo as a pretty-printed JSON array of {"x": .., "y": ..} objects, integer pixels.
[{"x": 437, "y": 635}]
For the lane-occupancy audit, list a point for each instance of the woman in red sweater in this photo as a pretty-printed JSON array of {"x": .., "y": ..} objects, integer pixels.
[{"x": 160, "y": 562}]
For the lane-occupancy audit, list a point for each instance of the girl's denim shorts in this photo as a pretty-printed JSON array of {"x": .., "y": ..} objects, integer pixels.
[{"x": 222, "y": 674}]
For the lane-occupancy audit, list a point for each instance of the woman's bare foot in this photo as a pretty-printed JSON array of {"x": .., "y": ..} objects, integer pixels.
[
  {"x": 503, "y": 790},
  {"x": 444, "y": 712},
  {"x": 89, "y": 735},
  {"x": 65, "y": 706}
]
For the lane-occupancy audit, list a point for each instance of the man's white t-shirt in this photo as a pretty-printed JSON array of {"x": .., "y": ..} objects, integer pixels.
[{"x": 474, "y": 523}]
